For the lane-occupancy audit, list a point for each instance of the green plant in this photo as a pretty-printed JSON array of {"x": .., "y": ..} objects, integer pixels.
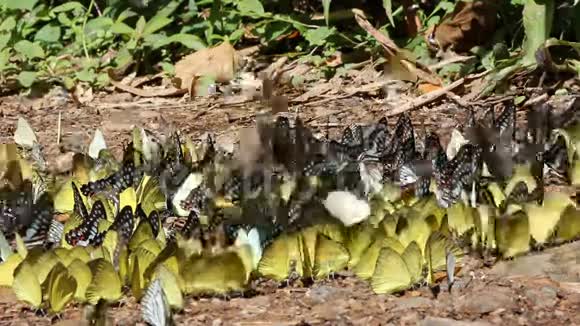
[{"x": 52, "y": 41}]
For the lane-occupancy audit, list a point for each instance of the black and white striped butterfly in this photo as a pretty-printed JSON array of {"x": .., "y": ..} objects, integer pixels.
[
  {"x": 87, "y": 232},
  {"x": 401, "y": 148},
  {"x": 124, "y": 223},
  {"x": 152, "y": 219},
  {"x": 458, "y": 174},
  {"x": 20, "y": 212},
  {"x": 126, "y": 177}
]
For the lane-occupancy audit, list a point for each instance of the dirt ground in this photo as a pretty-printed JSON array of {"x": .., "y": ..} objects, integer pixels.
[{"x": 542, "y": 288}]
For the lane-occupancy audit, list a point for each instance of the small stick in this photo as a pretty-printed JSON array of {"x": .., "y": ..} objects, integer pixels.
[
  {"x": 536, "y": 100},
  {"x": 58, "y": 125},
  {"x": 454, "y": 59},
  {"x": 426, "y": 98}
]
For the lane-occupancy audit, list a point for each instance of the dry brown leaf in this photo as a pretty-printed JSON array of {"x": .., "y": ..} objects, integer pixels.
[
  {"x": 138, "y": 81},
  {"x": 427, "y": 88},
  {"x": 316, "y": 91},
  {"x": 400, "y": 66},
  {"x": 83, "y": 94},
  {"x": 150, "y": 92},
  {"x": 220, "y": 62},
  {"x": 470, "y": 24},
  {"x": 334, "y": 60}
]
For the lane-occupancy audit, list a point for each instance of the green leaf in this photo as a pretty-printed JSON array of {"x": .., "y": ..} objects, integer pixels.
[
  {"x": 155, "y": 40},
  {"x": 519, "y": 100},
  {"x": 20, "y": 4},
  {"x": 388, "y": 5},
  {"x": 274, "y": 30},
  {"x": 4, "y": 39},
  {"x": 319, "y": 35},
  {"x": 103, "y": 79},
  {"x": 98, "y": 24},
  {"x": 538, "y": 18},
  {"x": 29, "y": 49},
  {"x": 132, "y": 44},
  {"x": 326, "y": 9},
  {"x": 8, "y": 24},
  {"x": 447, "y": 6},
  {"x": 64, "y": 20},
  {"x": 168, "y": 68},
  {"x": 248, "y": 7},
  {"x": 26, "y": 78},
  {"x": 69, "y": 6},
  {"x": 140, "y": 27},
  {"x": 86, "y": 75},
  {"x": 236, "y": 35},
  {"x": 122, "y": 28},
  {"x": 4, "y": 59},
  {"x": 189, "y": 41},
  {"x": 127, "y": 13},
  {"x": 48, "y": 33},
  {"x": 561, "y": 92},
  {"x": 123, "y": 57},
  {"x": 156, "y": 23}
]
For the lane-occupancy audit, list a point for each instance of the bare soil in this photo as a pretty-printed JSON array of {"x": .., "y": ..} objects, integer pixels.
[{"x": 507, "y": 294}]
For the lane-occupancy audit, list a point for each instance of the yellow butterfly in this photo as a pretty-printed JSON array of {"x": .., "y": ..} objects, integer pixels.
[
  {"x": 392, "y": 274},
  {"x": 512, "y": 234},
  {"x": 214, "y": 274},
  {"x": 284, "y": 256},
  {"x": 330, "y": 256},
  {"x": 105, "y": 283},
  {"x": 26, "y": 285},
  {"x": 7, "y": 269},
  {"x": 83, "y": 277},
  {"x": 568, "y": 227},
  {"x": 543, "y": 218},
  {"x": 61, "y": 287},
  {"x": 436, "y": 250},
  {"x": 358, "y": 238}
]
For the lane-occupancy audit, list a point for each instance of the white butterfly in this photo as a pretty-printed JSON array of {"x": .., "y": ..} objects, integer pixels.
[
  {"x": 97, "y": 144},
  {"x": 346, "y": 207}
]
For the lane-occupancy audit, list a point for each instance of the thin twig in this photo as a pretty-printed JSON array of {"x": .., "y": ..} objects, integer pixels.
[
  {"x": 426, "y": 98},
  {"x": 328, "y": 99},
  {"x": 58, "y": 127},
  {"x": 381, "y": 37},
  {"x": 201, "y": 113},
  {"x": 536, "y": 100},
  {"x": 454, "y": 59},
  {"x": 457, "y": 99}
]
